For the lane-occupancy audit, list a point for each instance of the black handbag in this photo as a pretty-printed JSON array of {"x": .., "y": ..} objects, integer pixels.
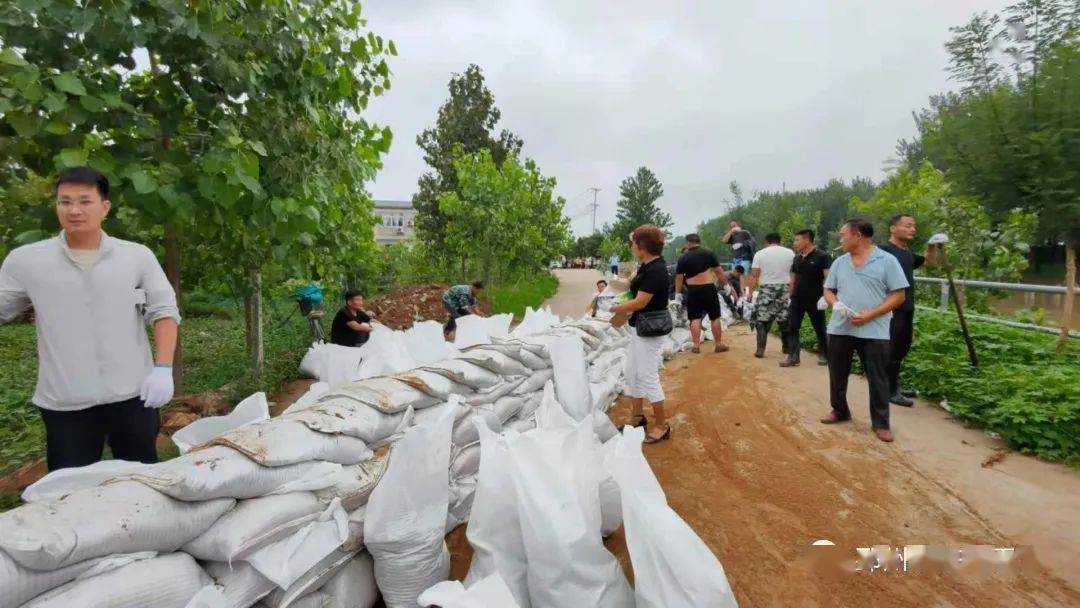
[{"x": 653, "y": 323}]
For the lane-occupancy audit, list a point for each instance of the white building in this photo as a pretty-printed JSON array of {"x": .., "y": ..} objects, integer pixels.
[{"x": 397, "y": 221}]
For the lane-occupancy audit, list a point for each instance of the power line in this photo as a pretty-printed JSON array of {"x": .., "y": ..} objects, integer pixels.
[{"x": 594, "y": 206}]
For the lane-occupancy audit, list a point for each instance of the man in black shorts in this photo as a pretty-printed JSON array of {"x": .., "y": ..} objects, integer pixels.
[{"x": 695, "y": 270}]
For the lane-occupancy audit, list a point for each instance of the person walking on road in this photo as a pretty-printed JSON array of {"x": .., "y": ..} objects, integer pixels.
[
  {"x": 695, "y": 270},
  {"x": 648, "y": 306},
  {"x": 92, "y": 294},
  {"x": 613, "y": 261},
  {"x": 771, "y": 270},
  {"x": 742, "y": 245},
  {"x": 460, "y": 300},
  {"x": 864, "y": 287},
  {"x": 351, "y": 326},
  {"x": 902, "y": 326},
  {"x": 808, "y": 272}
]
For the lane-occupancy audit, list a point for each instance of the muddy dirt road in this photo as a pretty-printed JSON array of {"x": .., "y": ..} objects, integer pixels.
[{"x": 759, "y": 479}]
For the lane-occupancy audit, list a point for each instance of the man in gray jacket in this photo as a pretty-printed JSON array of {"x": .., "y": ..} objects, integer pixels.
[{"x": 91, "y": 296}]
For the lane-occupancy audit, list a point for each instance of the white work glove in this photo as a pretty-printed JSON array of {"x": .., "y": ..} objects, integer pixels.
[
  {"x": 678, "y": 298},
  {"x": 157, "y": 388},
  {"x": 842, "y": 309},
  {"x": 822, "y": 304},
  {"x": 938, "y": 239}
]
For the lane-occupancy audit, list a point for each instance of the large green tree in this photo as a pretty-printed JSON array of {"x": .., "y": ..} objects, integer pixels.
[
  {"x": 233, "y": 141},
  {"x": 465, "y": 124},
  {"x": 638, "y": 195},
  {"x": 504, "y": 221}
]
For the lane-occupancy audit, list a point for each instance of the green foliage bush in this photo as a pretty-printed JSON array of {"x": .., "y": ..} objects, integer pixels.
[{"x": 515, "y": 297}]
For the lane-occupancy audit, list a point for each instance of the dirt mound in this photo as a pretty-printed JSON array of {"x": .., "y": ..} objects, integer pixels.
[{"x": 398, "y": 309}]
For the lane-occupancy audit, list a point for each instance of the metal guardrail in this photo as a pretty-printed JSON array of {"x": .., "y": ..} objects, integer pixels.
[{"x": 943, "y": 301}]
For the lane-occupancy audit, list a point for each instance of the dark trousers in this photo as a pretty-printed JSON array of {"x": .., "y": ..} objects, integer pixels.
[
  {"x": 901, "y": 334},
  {"x": 796, "y": 310},
  {"x": 874, "y": 356},
  {"x": 76, "y": 439},
  {"x": 451, "y": 323}
]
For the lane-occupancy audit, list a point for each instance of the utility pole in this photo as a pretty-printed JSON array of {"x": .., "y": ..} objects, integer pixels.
[{"x": 594, "y": 206}]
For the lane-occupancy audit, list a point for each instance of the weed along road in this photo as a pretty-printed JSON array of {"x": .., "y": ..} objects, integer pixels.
[{"x": 757, "y": 476}]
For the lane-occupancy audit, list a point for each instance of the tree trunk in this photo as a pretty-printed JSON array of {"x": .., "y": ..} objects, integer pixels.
[
  {"x": 253, "y": 321},
  {"x": 172, "y": 272},
  {"x": 1070, "y": 291}
]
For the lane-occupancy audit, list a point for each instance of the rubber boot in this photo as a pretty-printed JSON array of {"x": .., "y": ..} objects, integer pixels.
[
  {"x": 792, "y": 350},
  {"x": 762, "y": 338}
]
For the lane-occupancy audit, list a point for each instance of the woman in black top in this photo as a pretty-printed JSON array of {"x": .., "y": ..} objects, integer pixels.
[{"x": 649, "y": 289}]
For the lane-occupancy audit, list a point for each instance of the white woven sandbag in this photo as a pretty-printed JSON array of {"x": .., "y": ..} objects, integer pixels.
[
  {"x": 508, "y": 407},
  {"x": 121, "y": 517},
  {"x": 535, "y": 382},
  {"x": 551, "y": 414},
  {"x": 522, "y": 425},
  {"x": 533, "y": 361},
  {"x": 494, "y": 530},
  {"x": 673, "y": 567},
  {"x": 220, "y": 471},
  {"x": 462, "y": 491},
  {"x": 471, "y": 331},
  {"x": 339, "y": 364},
  {"x": 282, "y": 442},
  {"x": 571, "y": 377},
  {"x": 252, "y": 409},
  {"x": 311, "y": 364},
  {"x": 406, "y": 516},
  {"x": 339, "y": 416},
  {"x": 354, "y": 484},
  {"x": 466, "y": 373},
  {"x": 355, "y": 541},
  {"x": 610, "y": 499},
  {"x": 354, "y": 585},
  {"x": 435, "y": 385},
  {"x": 429, "y": 415},
  {"x": 425, "y": 343},
  {"x": 300, "y": 593},
  {"x": 490, "y": 592},
  {"x": 489, "y": 395},
  {"x": 62, "y": 482},
  {"x": 169, "y": 581},
  {"x": 388, "y": 395},
  {"x": 384, "y": 353},
  {"x": 288, "y": 560},
  {"x": 494, "y": 361},
  {"x": 314, "y": 393},
  {"x": 603, "y": 426},
  {"x": 526, "y": 344},
  {"x": 465, "y": 462},
  {"x": 210, "y": 596},
  {"x": 534, "y": 322},
  {"x": 19, "y": 584},
  {"x": 532, "y": 401},
  {"x": 609, "y": 362},
  {"x": 557, "y": 475},
  {"x": 499, "y": 325},
  {"x": 241, "y": 582},
  {"x": 253, "y": 524},
  {"x": 465, "y": 431}
]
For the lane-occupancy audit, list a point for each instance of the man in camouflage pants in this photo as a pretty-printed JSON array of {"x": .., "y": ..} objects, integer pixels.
[{"x": 771, "y": 270}]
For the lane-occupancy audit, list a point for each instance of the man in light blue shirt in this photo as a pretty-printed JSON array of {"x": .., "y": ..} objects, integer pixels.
[
  {"x": 864, "y": 286},
  {"x": 614, "y": 262}
]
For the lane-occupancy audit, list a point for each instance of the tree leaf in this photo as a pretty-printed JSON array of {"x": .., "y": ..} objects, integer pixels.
[
  {"x": 72, "y": 157},
  {"x": 91, "y": 103},
  {"x": 24, "y": 124},
  {"x": 10, "y": 57},
  {"x": 143, "y": 182},
  {"x": 69, "y": 83},
  {"x": 58, "y": 127}
]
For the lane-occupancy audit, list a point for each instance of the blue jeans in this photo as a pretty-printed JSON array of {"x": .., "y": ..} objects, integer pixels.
[{"x": 745, "y": 263}]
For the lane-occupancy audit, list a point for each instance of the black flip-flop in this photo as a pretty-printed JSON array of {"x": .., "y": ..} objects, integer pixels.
[{"x": 666, "y": 435}]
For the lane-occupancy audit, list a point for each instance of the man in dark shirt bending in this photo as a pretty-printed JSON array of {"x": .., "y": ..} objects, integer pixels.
[
  {"x": 808, "y": 272},
  {"x": 352, "y": 326},
  {"x": 695, "y": 270},
  {"x": 901, "y": 329}
]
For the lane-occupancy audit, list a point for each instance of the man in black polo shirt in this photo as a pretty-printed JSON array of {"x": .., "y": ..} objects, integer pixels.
[
  {"x": 695, "y": 270},
  {"x": 902, "y": 327},
  {"x": 352, "y": 326},
  {"x": 808, "y": 272}
]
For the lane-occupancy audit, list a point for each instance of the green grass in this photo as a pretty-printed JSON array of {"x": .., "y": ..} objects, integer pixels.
[
  {"x": 1024, "y": 388},
  {"x": 214, "y": 356},
  {"x": 515, "y": 297}
]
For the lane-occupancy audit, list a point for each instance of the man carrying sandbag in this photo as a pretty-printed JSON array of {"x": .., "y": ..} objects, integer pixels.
[
  {"x": 91, "y": 294},
  {"x": 460, "y": 300}
]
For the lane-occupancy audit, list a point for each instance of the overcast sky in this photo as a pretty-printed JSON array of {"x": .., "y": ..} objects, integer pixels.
[{"x": 765, "y": 92}]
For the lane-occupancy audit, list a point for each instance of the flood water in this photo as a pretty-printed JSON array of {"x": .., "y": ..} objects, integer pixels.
[{"x": 1052, "y": 303}]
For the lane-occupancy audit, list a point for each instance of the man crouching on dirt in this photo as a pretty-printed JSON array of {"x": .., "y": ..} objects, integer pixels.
[
  {"x": 864, "y": 286},
  {"x": 460, "y": 300},
  {"x": 91, "y": 293}
]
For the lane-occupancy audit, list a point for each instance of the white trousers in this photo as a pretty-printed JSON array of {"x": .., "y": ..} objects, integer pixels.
[{"x": 643, "y": 368}]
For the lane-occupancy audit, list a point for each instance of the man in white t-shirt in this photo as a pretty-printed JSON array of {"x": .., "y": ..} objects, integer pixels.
[{"x": 771, "y": 270}]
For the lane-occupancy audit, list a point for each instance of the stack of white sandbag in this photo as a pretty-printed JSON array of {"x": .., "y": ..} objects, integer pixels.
[{"x": 274, "y": 510}]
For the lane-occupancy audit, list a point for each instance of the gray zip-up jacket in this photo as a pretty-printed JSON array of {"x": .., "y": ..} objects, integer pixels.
[{"x": 91, "y": 335}]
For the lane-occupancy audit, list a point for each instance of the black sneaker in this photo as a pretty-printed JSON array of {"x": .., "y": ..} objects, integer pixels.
[
  {"x": 901, "y": 400},
  {"x": 908, "y": 393},
  {"x": 822, "y": 360}
]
